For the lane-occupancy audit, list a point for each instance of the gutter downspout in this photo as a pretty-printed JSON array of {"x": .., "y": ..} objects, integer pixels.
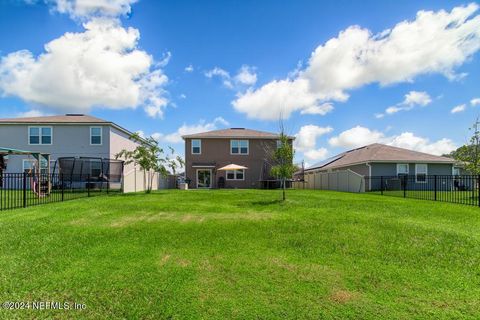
[{"x": 369, "y": 176}]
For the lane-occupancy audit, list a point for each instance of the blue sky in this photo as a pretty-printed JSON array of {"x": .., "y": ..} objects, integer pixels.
[{"x": 173, "y": 67}]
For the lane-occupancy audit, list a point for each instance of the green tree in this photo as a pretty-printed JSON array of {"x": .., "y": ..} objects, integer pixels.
[
  {"x": 283, "y": 167},
  {"x": 469, "y": 154},
  {"x": 148, "y": 156}
]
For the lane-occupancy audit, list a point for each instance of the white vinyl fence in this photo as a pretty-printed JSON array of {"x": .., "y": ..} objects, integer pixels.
[
  {"x": 347, "y": 181},
  {"x": 135, "y": 180}
]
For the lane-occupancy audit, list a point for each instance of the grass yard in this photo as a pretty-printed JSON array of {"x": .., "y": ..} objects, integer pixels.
[{"x": 243, "y": 254}]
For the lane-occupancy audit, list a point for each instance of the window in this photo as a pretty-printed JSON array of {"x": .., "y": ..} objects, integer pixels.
[
  {"x": 95, "y": 135},
  {"x": 196, "y": 146},
  {"x": 28, "y": 165},
  {"x": 456, "y": 171},
  {"x": 239, "y": 146},
  {"x": 95, "y": 169},
  {"x": 421, "y": 171},
  {"x": 39, "y": 135},
  {"x": 279, "y": 144},
  {"x": 402, "y": 169},
  {"x": 235, "y": 175}
]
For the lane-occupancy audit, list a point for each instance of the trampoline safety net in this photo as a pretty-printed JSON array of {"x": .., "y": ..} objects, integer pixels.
[{"x": 88, "y": 169}]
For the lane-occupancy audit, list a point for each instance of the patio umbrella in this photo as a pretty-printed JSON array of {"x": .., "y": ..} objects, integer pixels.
[{"x": 232, "y": 167}]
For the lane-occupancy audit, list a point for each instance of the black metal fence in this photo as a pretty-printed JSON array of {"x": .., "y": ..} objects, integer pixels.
[
  {"x": 21, "y": 190},
  {"x": 462, "y": 189}
]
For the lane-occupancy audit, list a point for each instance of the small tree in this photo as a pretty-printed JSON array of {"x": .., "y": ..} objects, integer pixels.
[
  {"x": 283, "y": 167},
  {"x": 469, "y": 154},
  {"x": 149, "y": 156}
]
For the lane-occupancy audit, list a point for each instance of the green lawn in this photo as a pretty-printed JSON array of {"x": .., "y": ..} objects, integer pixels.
[{"x": 242, "y": 254}]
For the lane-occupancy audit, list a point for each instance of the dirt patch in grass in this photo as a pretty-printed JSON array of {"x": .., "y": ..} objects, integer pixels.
[
  {"x": 167, "y": 258},
  {"x": 187, "y": 218},
  {"x": 344, "y": 296}
]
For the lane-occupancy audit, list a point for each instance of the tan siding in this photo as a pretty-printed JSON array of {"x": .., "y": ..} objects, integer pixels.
[{"x": 217, "y": 151}]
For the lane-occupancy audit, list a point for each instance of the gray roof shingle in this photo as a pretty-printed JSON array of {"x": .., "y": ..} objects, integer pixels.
[
  {"x": 68, "y": 118},
  {"x": 234, "y": 133},
  {"x": 378, "y": 153}
]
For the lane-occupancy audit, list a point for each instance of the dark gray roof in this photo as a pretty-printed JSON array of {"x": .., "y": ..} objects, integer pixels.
[
  {"x": 378, "y": 153},
  {"x": 68, "y": 118},
  {"x": 234, "y": 133}
]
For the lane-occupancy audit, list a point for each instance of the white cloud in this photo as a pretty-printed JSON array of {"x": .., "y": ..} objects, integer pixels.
[
  {"x": 408, "y": 140},
  {"x": 361, "y": 136},
  {"x": 459, "y": 108},
  {"x": 412, "y": 99},
  {"x": 32, "y": 113},
  {"x": 222, "y": 74},
  {"x": 99, "y": 67},
  {"x": 435, "y": 42},
  {"x": 322, "y": 109},
  {"x": 189, "y": 68},
  {"x": 306, "y": 138},
  {"x": 417, "y": 98},
  {"x": 475, "y": 102},
  {"x": 246, "y": 76},
  {"x": 316, "y": 154},
  {"x": 201, "y": 126},
  {"x": 356, "y": 137},
  {"x": 86, "y": 9},
  {"x": 183, "y": 96}
]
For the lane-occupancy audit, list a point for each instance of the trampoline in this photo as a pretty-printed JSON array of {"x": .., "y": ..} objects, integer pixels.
[{"x": 89, "y": 171}]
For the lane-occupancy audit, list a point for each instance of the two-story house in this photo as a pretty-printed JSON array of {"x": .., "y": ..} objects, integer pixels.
[
  {"x": 70, "y": 135},
  {"x": 207, "y": 152}
]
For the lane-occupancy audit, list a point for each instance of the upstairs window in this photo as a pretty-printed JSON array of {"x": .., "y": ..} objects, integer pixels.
[
  {"x": 421, "y": 171},
  {"x": 402, "y": 169},
  {"x": 95, "y": 135},
  {"x": 196, "y": 146},
  {"x": 235, "y": 175},
  {"x": 239, "y": 146},
  {"x": 39, "y": 135}
]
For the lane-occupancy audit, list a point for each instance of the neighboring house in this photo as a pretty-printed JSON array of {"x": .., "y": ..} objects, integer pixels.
[
  {"x": 382, "y": 160},
  {"x": 206, "y": 152},
  {"x": 71, "y": 135}
]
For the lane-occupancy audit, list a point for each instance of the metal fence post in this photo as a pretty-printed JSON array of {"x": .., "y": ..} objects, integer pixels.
[
  {"x": 25, "y": 189},
  {"x": 435, "y": 186},
  {"x": 478, "y": 189},
  {"x": 63, "y": 187},
  {"x": 405, "y": 179},
  {"x": 88, "y": 185},
  {"x": 381, "y": 185}
]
